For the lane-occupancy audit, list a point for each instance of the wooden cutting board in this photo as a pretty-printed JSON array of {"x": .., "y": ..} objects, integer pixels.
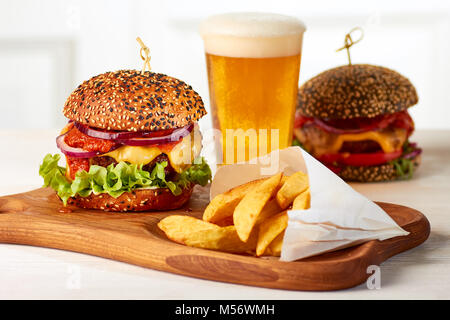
[{"x": 34, "y": 218}]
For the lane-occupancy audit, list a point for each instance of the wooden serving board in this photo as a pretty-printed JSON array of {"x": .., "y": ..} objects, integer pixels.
[{"x": 34, "y": 218}]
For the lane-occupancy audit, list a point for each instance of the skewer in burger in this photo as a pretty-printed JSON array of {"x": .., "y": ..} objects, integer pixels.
[
  {"x": 132, "y": 144},
  {"x": 354, "y": 119}
]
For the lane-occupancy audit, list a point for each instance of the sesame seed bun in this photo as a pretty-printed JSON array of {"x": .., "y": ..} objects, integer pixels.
[
  {"x": 354, "y": 91},
  {"x": 126, "y": 100},
  {"x": 383, "y": 172},
  {"x": 137, "y": 200}
]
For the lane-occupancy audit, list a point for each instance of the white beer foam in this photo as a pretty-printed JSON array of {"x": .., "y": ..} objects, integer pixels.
[{"x": 252, "y": 35}]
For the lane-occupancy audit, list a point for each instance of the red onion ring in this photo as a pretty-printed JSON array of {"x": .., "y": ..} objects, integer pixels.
[
  {"x": 331, "y": 129},
  {"x": 71, "y": 151},
  {"x": 413, "y": 154},
  {"x": 135, "y": 138},
  {"x": 78, "y": 152},
  {"x": 176, "y": 135},
  {"x": 106, "y": 135}
]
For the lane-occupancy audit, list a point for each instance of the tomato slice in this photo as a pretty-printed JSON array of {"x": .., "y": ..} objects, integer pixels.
[{"x": 360, "y": 159}]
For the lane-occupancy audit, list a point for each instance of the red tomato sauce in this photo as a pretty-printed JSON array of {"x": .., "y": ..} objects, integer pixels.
[
  {"x": 76, "y": 164},
  {"x": 75, "y": 138}
]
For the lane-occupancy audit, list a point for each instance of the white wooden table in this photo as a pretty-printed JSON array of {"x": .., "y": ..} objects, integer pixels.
[{"x": 31, "y": 273}]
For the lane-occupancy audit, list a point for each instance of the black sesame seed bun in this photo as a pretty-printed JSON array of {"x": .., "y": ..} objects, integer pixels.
[
  {"x": 383, "y": 172},
  {"x": 126, "y": 100},
  {"x": 137, "y": 200},
  {"x": 354, "y": 91}
]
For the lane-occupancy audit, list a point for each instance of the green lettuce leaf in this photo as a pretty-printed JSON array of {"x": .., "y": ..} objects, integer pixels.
[
  {"x": 404, "y": 168},
  {"x": 117, "y": 179}
]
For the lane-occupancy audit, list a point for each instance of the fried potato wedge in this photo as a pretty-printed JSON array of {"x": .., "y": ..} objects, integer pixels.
[
  {"x": 223, "y": 239},
  {"x": 228, "y": 221},
  {"x": 177, "y": 227},
  {"x": 271, "y": 208},
  {"x": 274, "y": 249},
  {"x": 269, "y": 230},
  {"x": 282, "y": 181},
  {"x": 249, "y": 208},
  {"x": 223, "y": 205},
  {"x": 294, "y": 185},
  {"x": 302, "y": 201},
  {"x": 201, "y": 234}
]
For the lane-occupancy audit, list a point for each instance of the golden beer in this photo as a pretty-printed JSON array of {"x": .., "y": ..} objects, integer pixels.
[{"x": 253, "y": 63}]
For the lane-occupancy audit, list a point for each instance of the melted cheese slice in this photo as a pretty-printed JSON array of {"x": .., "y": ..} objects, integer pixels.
[
  {"x": 326, "y": 143},
  {"x": 180, "y": 157},
  {"x": 388, "y": 141}
]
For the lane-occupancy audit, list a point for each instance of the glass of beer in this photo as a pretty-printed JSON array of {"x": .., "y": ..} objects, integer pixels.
[{"x": 253, "y": 62}]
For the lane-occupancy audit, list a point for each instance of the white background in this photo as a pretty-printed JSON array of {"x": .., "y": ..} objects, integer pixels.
[{"x": 48, "y": 47}]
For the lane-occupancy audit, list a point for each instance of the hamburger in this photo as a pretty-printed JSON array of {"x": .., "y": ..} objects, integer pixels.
[
  {"x": 354, "y": 119},
  {"x": 131, "y": 144}
]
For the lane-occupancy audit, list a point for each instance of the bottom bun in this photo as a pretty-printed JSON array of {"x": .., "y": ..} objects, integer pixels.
[
  {"x": 383, "y": 172},
  {"x": 136, "y": 200}
]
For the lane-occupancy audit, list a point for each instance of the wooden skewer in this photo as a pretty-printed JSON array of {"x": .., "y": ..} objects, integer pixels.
[
  {"x": 145, "y": 55},
  {"x": 348, "y": 42}
]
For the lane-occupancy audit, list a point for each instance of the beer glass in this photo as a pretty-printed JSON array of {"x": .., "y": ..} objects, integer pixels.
[{"x": 253, "y": 62}]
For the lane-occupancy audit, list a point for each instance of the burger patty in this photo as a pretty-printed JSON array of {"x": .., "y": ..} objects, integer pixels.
[
  {"x": 168, "y": 170},
  {"x": 103, "y": 161},
  {"x": 364, "y": 146}
]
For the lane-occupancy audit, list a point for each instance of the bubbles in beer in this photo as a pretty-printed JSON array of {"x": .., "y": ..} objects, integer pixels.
[{"x": 252, "y": 35}]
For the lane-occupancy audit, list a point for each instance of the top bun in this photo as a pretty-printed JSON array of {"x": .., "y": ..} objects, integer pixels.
[
  {"x": 354, "y": 91},
  {"x": 126, "y": 100}
]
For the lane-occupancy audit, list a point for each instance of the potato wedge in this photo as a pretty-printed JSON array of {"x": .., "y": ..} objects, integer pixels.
[
  {"x": 282, "y": 181},
  {"x": 223, "y": 239},
  {"x": 201, "y": 234},
  {"x": 178, "y": 227},
  {"x": 228, "y": 221},
  {"x": 223, "y": 205},
  {"x": 302, "y": 201},
  {"x": 269, "y": 230},
  {"x": 274, "y": 249},
  {"x": 249, "y": 208},
  {"x": 271, "y": 208},
  {"x": 294, "y": 185}
]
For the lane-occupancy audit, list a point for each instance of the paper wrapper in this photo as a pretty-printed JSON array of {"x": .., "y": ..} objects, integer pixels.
[{"x": 339, "y": 216}]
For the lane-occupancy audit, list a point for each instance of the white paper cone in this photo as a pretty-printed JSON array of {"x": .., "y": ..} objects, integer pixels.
[{"x": 339, "y": 217}]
